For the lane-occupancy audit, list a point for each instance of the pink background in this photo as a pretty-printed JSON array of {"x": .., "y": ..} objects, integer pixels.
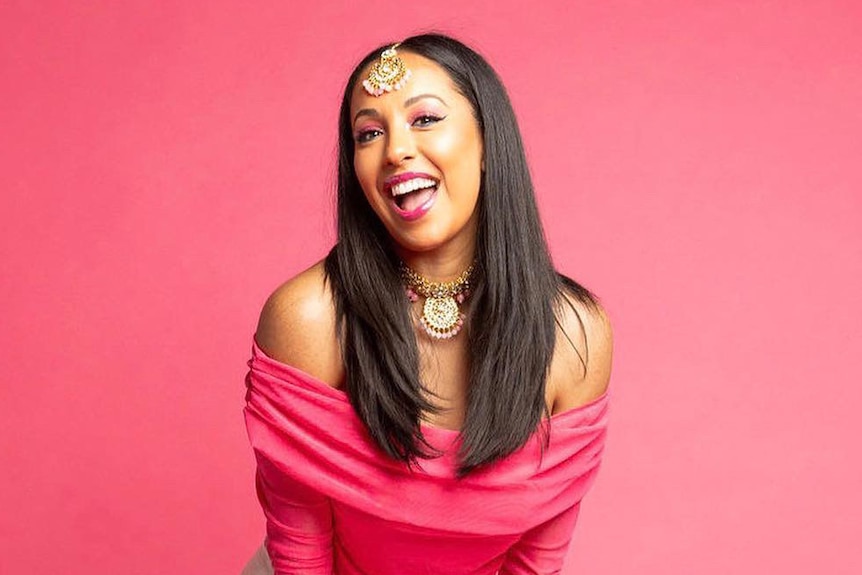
[{"x": 163, "y": 166}]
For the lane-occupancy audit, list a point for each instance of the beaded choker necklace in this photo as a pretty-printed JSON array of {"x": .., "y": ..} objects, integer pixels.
[{"x": 441, "y": 317}]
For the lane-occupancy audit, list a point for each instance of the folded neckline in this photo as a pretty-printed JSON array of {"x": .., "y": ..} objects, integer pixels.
[{"x": 323, "y": 387}]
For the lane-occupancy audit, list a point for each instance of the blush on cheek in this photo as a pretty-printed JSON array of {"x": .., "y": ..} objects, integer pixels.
[{"x": 451, "y": 145}]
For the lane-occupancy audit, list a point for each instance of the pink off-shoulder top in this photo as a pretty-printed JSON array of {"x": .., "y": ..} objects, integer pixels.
[{"x": 335, "y": 504}]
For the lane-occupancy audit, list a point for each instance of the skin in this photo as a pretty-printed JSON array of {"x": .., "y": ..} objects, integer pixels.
[{"x": 398, "y": 134}]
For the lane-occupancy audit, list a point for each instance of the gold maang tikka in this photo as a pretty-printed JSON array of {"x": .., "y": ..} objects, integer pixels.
[
  {"x": 388, "y": 74},
  {"x": 441, "y": 317}
]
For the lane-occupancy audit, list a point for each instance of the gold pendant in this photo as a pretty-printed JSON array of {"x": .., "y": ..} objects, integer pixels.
[{"x": 441, "y": 317}]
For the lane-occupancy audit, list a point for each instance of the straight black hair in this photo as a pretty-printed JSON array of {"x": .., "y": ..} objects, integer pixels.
[{"x": 516, "y": 295}]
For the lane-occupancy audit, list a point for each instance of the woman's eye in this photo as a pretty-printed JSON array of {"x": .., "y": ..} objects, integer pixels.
[
  {"x": 426, "y": 120},
  {"x": 367, "y": 135}
]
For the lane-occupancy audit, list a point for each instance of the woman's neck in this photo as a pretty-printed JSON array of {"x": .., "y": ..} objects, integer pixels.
[{"x": 439, "y": 265}]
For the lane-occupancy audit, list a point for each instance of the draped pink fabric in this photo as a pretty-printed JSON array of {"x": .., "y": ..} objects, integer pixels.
[{"x": 334, "y": 503}]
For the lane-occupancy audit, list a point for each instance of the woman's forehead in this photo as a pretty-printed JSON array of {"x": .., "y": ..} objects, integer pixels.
[{"x": 426, "y": 77}]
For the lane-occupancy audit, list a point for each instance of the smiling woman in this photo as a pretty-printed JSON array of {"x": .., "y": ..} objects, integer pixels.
[{"x": 431, "y": 397}]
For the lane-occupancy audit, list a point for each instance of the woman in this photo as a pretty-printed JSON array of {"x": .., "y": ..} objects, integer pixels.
[{"x": 431, "y": 397}]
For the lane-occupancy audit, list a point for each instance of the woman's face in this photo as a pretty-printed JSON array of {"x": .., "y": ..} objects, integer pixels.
[{"x": 418, "y": 158}]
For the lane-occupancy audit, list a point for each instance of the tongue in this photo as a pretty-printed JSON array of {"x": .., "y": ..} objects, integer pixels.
[{"x": 414, "y": 200}]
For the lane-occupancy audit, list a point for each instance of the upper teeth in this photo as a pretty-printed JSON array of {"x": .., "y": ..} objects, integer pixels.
[{"x": 411, "y": 185}]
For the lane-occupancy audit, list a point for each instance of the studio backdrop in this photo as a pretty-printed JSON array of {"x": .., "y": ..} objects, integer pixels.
[{"x": 165, "y": 165}]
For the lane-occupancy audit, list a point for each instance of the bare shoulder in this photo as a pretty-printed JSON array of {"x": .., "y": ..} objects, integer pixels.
[
  {"x": 297, "y": 326},
  {"x": 581, "y": 366}
]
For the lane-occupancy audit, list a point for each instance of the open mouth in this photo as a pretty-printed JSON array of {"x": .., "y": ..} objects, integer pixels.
[{"x": 412, "y": 194}]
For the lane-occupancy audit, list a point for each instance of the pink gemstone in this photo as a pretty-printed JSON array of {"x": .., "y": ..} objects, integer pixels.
[{"x": 459, "y": 297}]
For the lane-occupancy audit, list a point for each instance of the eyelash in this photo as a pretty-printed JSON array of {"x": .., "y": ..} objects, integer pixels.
[
  {"x": 422, "y": 121},
  {"x": 430, "y": 118},
  {"x": 365, "y": 136}
]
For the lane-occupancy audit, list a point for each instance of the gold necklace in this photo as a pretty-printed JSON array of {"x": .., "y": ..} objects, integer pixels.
[{"x": 441, "y": 317}]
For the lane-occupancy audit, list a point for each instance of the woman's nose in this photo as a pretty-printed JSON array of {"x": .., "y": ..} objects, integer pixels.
[{"x": 400, "y": 145}]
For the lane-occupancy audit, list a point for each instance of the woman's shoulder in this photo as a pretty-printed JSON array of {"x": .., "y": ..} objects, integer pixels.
[
  {"x": 297, "y": 326},
  {"x": 581, "y": 366}
]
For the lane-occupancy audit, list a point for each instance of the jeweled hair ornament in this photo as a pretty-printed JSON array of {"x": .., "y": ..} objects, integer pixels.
[{"x": 388, "y": 74}]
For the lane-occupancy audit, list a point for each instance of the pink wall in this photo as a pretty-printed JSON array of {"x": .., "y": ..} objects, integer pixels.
[{"x": 163, "y": 166}]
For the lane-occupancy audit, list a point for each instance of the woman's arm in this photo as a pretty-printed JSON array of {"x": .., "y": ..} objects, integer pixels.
[
  {"x": 580, "y": 372},
  {"x": 297, "y": 327},
  {"x": 541, "y": 550},
  {"x": 298, "y": 524}
]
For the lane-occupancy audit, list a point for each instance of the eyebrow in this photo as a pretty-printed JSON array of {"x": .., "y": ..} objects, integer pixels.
[{"x": 407, "y": 103}]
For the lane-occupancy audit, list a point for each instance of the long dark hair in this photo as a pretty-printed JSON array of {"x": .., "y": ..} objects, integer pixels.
[{"x": 513, "y": 308}]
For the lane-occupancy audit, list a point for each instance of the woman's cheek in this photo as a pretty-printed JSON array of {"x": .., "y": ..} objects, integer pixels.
[{"x": 447, "y": 146}]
